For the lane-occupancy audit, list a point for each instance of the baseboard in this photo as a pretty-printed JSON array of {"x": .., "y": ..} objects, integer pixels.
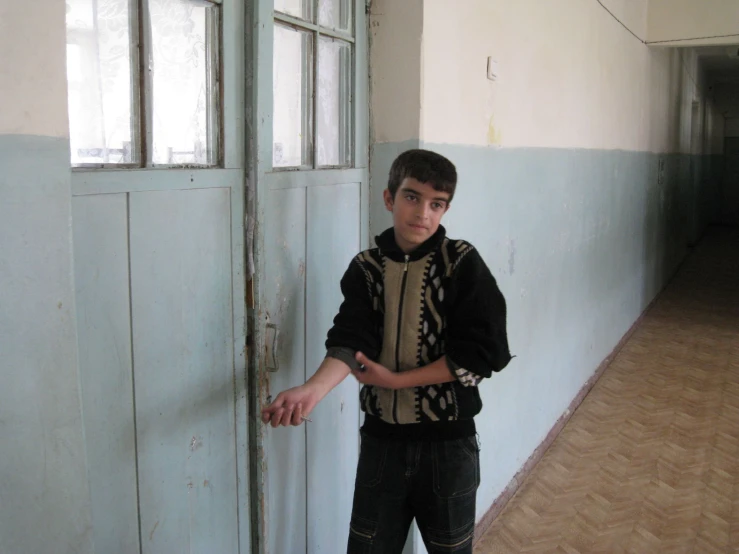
[{"x": 500, "y": 503}]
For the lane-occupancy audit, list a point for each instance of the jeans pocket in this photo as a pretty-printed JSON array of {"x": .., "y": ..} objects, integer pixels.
[
  {"x": 363, "y": 529},
  {"x": 456, "y": 467},
  {"x": 454, "y": 540},
  {"x": 471, "y": 446},
  {"x": 361, "y": 535},
  {"x": 372, "y": 455}
]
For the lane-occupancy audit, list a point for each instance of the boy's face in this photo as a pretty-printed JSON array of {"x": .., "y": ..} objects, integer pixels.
[{"x": 417, "y": 210}]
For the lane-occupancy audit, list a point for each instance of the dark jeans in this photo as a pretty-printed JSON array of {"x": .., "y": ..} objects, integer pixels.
[{"x": 397, "y": 481}]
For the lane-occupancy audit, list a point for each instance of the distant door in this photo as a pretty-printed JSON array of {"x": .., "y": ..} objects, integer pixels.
[
  {"x": 313, "y": 218},
  {"x": 730, "y": 187},
  {"x": 696, "y": 207}
]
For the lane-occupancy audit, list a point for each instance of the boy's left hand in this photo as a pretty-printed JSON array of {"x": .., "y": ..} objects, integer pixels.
[{"x": 374, "y": 374}]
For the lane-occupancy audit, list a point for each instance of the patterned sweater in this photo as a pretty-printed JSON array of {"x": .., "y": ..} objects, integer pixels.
[{"x": 407, "y": 311}]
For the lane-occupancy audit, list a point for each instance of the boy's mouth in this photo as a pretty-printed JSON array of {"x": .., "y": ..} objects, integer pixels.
[{"x": 419, "y": 227}]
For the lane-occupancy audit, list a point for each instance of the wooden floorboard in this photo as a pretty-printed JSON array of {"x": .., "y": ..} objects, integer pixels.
[{"x": 649, "y": 463}]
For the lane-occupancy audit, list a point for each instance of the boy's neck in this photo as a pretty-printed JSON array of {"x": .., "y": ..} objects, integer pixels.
[
  {"x": 406, "y": 247},
  {"x": 394, "y": 245}
]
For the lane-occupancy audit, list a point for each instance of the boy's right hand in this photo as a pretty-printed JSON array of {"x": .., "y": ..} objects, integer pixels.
[{"x": 291, "y": 406}]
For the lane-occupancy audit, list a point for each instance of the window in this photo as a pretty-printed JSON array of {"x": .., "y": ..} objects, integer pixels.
[
  {"x": 144, "y": 82},
  {"x": 312, "y": 84}
]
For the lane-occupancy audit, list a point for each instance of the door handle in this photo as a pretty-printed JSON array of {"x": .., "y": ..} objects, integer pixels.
[{"x": 272, "y": 362}]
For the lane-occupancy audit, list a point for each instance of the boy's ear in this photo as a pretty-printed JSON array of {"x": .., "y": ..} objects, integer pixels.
[{"x": 388, "y": 197}]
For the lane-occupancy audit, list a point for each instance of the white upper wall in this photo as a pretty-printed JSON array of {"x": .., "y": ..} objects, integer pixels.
[
  {"x": 570, "y": 76},
  {"x": 669, "y": 20},
  {"x": 395, "y": 34},
  {"x": 33, "y": 76}
]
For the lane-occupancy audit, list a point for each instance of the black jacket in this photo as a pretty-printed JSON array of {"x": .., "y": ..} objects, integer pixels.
[{"x": 407, "y": 311}]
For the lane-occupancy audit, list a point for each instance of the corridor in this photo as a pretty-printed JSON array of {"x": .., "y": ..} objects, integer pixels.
[{"x": 648, "y": 463}]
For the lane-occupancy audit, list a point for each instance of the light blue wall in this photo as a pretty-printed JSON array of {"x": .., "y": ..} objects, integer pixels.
[
  {"x": 44, "y": 498},
  {"x": 580, "y": 242}
]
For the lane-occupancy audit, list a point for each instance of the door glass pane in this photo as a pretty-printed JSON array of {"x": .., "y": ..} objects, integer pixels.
[
  {"x": 184, "y": 81},
  {"x": 102, "y": 94},
  {"x": 334, "y": 120},
  {"x": 296, "y": 8},
  {"x": 336, "y": 14},
  {"x": 292, "y": 97}
]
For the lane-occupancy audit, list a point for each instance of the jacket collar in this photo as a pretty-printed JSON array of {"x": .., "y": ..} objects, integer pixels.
[{"x": 387, "y": 245}]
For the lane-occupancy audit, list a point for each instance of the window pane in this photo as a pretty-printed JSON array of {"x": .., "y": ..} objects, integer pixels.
[
  {"x": 336, "y": 14},
  {"x": 292, "y": 97},
  {"x": 102, "y": 112},
  {"x": 334, "y": 117},
  {"x": 296, "y": 8},
  {"x": 185, "y": 124}
]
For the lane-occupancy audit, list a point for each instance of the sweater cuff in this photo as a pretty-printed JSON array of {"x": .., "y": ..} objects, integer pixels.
[
  {"x": 345, "y": 355},
  {"x": 465, "y": 377}
]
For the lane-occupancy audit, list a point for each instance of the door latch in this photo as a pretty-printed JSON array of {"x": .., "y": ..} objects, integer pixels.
[{"x": 272, "y": 338}]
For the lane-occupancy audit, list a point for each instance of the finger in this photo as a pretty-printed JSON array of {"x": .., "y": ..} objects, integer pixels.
[
  {"x": 268, "y": 411},
  {"x": 272, "y": 405},
  {"x": 280, "y": 400},
  {"x": 297, "y": 418},
  {"x": 287, "y": 416},
  {"x": 277, "y": 416},
  {"x": 364, "y": 362}
]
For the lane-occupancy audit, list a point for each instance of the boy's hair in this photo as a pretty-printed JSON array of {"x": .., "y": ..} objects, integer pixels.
[{"x": 426, "y": 167}]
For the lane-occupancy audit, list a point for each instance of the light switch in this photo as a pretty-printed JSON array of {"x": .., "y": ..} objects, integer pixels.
[{"x": 492, "y": 69}]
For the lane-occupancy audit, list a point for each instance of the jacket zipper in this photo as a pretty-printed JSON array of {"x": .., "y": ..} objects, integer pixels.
[{"x": 397, "y": 342}]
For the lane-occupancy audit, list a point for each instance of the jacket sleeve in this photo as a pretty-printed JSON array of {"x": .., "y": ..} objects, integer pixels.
[
  {"x": 477, "y": 341},
  {"x": 356, "y": 327}
]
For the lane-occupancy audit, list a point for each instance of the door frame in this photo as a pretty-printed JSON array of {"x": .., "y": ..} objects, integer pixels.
[{"x": 261, "y": 178}]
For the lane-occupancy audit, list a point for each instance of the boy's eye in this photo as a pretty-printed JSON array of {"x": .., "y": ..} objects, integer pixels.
[
  {"x": 410, "y": 197},
  {"x": 437, "y": 205}
]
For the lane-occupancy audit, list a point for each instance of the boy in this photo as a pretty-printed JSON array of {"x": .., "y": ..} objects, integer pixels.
[{"x": 421, "y": 324}]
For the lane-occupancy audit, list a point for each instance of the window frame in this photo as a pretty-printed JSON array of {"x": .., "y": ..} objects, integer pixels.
[
  {"x": 317, "y": 31},
  {"x": 142, "y": 116}
]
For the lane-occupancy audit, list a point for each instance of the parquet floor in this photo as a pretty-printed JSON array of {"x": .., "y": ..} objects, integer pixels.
[{"x": 649, "y": 463}]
